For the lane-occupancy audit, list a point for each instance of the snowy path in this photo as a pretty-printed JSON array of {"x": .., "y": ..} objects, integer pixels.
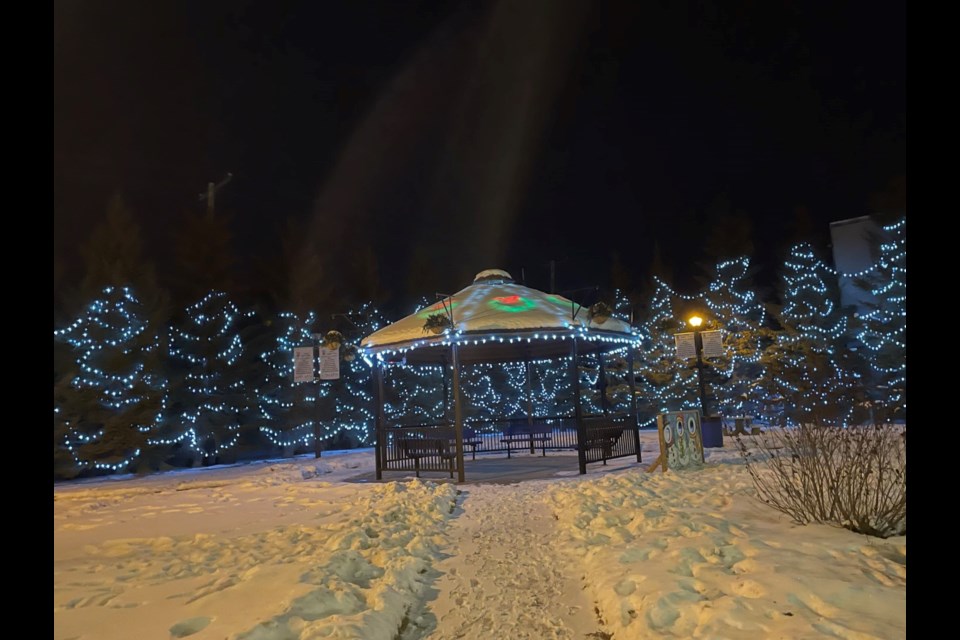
[{"x": 505, "y": 577}]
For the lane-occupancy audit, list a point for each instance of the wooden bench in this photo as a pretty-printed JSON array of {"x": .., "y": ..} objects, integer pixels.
[{"x": 527, "y": 433}]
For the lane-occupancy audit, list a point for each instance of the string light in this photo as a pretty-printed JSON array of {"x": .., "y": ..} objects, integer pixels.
[
  {"x": 212, "y": 399},
  {"x": 114, "y": 396},
  {"x": 117, "y": 360}
]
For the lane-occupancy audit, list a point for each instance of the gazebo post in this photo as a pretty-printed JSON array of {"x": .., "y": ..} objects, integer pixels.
[
  {"x": 633, "y": 401},
  {"x": 602, "y": 382},
  {"x": 446, "y": 391},
  {"x": 381, "y": 443},
  {"x": 577, "y": 409},
  {"x": 457, "y": 410},
  {"x": 526, "y": 366}
]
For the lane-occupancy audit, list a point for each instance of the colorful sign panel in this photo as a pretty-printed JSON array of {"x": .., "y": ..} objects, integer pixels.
[{"x": 681, "y": 440}]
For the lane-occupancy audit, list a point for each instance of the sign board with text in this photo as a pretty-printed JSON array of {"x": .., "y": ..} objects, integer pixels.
[
  {"x": 329, "y": 364},
  {"x": 303, "y": 364},
  {"x": 712, "y": 343},
  {"x": 686, "y": 345}
]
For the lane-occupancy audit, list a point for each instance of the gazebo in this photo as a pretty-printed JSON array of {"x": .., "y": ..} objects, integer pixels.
[{"x": 495, "y": 320}]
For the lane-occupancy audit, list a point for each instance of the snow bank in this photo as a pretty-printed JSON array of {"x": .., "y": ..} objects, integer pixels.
[
  {"x": 370, "y": 569},
  {"x": 263, "y": 553},
  {"x": 693, "y": 554}
]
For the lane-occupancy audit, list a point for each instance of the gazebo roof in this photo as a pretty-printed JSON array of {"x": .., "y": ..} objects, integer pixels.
[{"x": 495, "y": 319}]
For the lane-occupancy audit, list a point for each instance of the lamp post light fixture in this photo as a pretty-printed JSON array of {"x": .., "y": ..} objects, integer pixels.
[{"x": 695, "y": 321}]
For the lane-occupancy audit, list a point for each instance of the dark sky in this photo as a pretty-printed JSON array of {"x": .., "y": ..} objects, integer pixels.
[{"x": 449, "y": 137}]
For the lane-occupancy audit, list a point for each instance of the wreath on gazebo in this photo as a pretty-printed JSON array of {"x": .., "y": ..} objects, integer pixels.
[
  {"x": 436, "y": 323},
  {"x": 332, "y": 340},
  {"x": 600, "y": 312}
]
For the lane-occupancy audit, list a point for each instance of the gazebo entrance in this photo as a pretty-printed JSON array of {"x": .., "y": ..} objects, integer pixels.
[{"x": 498, "y": 321}]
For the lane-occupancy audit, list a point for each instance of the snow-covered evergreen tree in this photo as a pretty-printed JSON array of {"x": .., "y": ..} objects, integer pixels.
[
  {"x": 810, "y": 372},
  {"x": 733, "y": 307},
  {"x": 732, "y": 380},
  {"x": 667, "y": 383},
  {"x": 882, "y": 329},
  {"x": 286, "y": 410},
  {"x": 110, "y": 396},
  {"x": 208, "y": 396},
  {"x": 354, "y": 414}
]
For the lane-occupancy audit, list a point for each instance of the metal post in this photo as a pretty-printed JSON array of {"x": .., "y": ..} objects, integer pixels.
[
  {"x": 526, "y": 366},
  {"x": 602, "y": 383},
  {"x": 703, "y": 393},
  {"x": 631, "y": 378},
  {"x": 577, "y": 409},
  {"x": 446, "y": 392},
  {"x": 457, "y": 411},
  {"x": 380, "y": 446},
  {"x": 316, "y": 408}
]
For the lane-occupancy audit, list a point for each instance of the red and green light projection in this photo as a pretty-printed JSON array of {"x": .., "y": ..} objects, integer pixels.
[{"x": 512, "y": 304}]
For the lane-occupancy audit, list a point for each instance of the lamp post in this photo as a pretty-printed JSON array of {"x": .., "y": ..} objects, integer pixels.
[
  {"x": 695, "y": 321},
  {"x": 329, "y": 370}
]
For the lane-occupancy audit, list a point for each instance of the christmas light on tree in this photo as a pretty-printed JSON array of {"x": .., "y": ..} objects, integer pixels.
[
  {"x": 811, "y": 374},
  {"x": 110, "y": 399},
  {"x": 729, "y": 305},
  {"x": 881, "y": 330},
  {"x": 286, "y": 409},
  {"x": 208, "y": 388}
]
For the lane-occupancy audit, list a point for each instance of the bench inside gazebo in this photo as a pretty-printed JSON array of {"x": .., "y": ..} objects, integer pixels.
[{"x": 496, "y": 321}]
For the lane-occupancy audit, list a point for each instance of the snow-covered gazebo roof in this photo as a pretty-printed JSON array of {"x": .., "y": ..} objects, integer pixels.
[{"x": 496, "y": 319}]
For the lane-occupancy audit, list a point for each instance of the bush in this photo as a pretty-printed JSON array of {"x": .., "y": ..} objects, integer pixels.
[{"x": 853, "y": 477}]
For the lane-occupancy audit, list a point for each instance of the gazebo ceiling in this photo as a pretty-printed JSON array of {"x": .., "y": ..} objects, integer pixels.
[{"x": 495, "y": 320}]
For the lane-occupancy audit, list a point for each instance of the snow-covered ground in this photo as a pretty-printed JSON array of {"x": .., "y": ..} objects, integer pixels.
[{"x": 289, "y": 550}]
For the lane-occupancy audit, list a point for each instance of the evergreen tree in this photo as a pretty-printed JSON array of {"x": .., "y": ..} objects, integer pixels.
[
  {"x": 881, "y": 330},
  {"x": 732, "y": 380},
  {"x": 113, "y": 254},
  {"x": 733, "y": 307},
  {"x": 810, "y": 372},
  {"x": 351, "y": 397},
  {"x": 295, "y": 277},
  {"x": 109, "y": 399},
  {"x": 204, "y": 258},
  {"x": 208, "y": 396},
  {"x": 667, "y": 383},
  {"x": 286, "y": 409}
]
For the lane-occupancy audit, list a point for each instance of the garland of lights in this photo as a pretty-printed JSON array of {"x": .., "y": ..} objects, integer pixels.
[
  {"x": 115, "y": 396},
  {"x": 808, "y": 367},
  {"x": 882, "y": 329},
  {"x": 212, "y": 397},
  {"x": 811, "y": 371},
  {"x": 668, "y": 383}
]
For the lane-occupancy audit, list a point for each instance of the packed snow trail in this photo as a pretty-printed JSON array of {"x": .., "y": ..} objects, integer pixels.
[{"x": 504, "y": 576}]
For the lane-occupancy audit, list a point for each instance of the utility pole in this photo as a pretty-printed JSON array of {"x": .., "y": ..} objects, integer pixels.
[{"x": 211, "y": 192}]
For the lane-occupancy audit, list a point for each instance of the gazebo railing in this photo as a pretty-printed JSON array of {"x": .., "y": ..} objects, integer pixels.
[
  {"x": 427, "y": 447},
  {"x": 609, "y": 437},
  {"x": 432, "y": 446}
]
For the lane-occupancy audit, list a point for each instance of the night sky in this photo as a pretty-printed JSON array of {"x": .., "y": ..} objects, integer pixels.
[{"x": 443, "y": 138}]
